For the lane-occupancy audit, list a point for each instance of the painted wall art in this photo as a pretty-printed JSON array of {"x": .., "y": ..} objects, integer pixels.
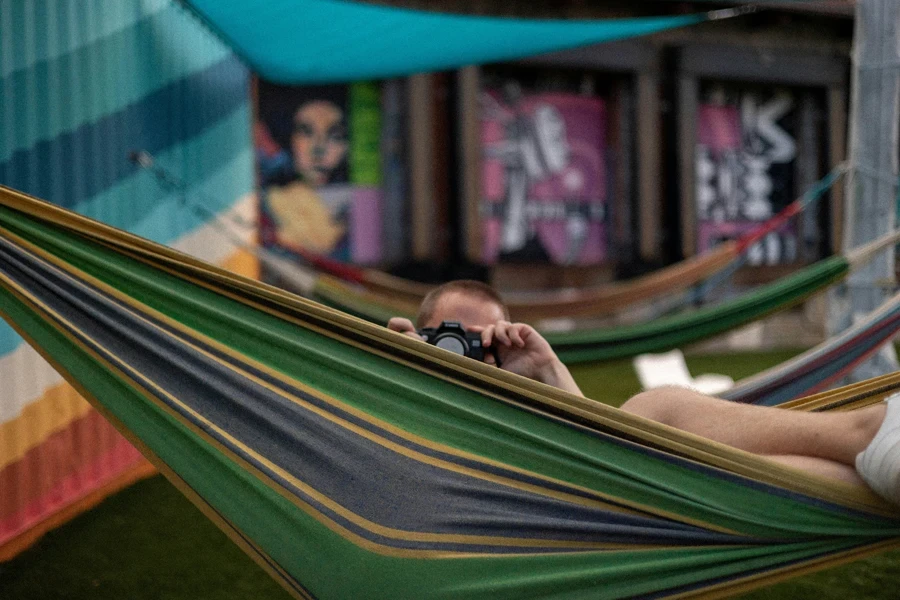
[
  {"x": 319, "y": 162},
  {"x": 745, "y": 170},
  {"x": 544, "y": 177}
]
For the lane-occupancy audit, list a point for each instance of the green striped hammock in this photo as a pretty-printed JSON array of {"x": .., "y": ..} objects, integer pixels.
[
  {"x": 353, "y": 462},
  {"x": 820, "y": 367},
  {"x": 378, "y": 294},
  {"x": 665, "y": 333},
  {"x": 610, "y": 342}
]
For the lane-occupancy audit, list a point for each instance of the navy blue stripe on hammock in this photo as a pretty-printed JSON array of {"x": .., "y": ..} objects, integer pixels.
[
  {"x": 540, "y": 515},
  {"x": 838, "y": 360},
  {"x": 567, "y": 420}
]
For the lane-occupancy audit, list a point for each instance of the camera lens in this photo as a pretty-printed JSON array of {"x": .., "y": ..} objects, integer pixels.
[{"x": 451, "y": 343}]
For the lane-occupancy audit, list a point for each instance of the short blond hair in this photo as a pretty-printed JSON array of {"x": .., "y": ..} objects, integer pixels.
[{"x": 476, "y": 289}]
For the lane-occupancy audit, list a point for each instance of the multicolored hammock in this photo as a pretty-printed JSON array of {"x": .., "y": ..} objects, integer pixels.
[
  {"x": 622, "y": 341},
  {"x": 382, "y": 293},
  {"x": 354, "y": 462},
  {"x": 820, "y": 367},
  {"x": 812, "y": 371},
  {"x": 598, "y": 344}
]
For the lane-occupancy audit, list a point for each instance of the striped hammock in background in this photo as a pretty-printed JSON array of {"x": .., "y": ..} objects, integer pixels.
[
  {"x": 680, "y": 285},
  {"x": 822, "y": 366},
  {"x": 665, "y": 333}
]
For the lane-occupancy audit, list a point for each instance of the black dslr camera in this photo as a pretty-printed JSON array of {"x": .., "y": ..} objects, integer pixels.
[{"x": 451, "y": 336}]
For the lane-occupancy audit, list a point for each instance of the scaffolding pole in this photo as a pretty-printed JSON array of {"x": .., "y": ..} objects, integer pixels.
[{"x": 871, "y": 188}]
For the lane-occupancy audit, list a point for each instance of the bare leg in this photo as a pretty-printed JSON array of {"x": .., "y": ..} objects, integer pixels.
[
  {"x": 822, "y": 443},
  {"x": 820, "y": 466}
]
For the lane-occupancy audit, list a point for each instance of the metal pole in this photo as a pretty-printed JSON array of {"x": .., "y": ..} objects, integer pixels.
[{"x": 871, "y": 188}]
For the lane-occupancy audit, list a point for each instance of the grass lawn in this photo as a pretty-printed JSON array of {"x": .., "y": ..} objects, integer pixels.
[{"x": 148, "y": 542}]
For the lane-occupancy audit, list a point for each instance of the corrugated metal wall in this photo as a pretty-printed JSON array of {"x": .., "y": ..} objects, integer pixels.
[{"x": 82, "y": 84}]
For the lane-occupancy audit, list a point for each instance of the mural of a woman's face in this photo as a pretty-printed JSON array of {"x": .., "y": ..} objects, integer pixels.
[{"x": 319, "y": 141}]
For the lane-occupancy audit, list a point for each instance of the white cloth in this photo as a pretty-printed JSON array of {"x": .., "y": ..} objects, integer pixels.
[
  {"x": 670, "y": 368},
  {"x": 879, "y": 463}
]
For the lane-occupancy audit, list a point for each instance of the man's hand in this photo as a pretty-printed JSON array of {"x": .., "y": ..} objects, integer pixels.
[
  {"x": 523, "y": 351},
  {"x": 404, "y": 326},
  {"x": 520, "y": 348}
]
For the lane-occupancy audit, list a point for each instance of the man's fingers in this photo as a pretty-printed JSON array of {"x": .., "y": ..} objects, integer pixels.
[
  {"x": 401, "y": 324},
  {"x": 502, "y": 332},
  {"x": 487, "y": 336},
  {"x": 404, "y": 326},
  {"x": 515, "y": 334}
]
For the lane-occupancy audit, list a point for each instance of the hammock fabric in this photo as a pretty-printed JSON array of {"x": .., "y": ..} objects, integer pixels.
[
  {"x": 820, "y": 367},
  {"x": 682, "y": 329},
  {"x": 599, "y": 344},
  {"x": 354, "y": 462}
]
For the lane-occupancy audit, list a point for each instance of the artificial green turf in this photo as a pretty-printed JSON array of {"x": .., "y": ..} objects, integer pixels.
[
  {"x": 149, "y": 543},
  {"x": 614, "y": 382}
]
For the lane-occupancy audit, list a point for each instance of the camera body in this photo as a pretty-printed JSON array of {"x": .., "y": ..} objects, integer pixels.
[{"x": 453, "y": 337}]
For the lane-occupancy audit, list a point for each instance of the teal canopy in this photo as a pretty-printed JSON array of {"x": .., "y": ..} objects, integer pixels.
[{"x": 320, "y": 41}]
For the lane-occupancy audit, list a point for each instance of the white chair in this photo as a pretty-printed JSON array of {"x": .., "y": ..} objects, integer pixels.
[{"x": 669, "y": 368}]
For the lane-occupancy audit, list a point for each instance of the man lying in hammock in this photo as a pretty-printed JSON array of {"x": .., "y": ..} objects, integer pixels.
[{"x": 855, "y": 446}]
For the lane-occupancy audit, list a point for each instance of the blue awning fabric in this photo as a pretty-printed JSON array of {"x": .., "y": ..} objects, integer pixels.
[{"x": 322, "y": 41}]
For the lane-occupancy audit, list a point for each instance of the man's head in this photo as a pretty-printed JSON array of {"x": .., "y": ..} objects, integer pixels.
[{"x": 472, "y": 303}]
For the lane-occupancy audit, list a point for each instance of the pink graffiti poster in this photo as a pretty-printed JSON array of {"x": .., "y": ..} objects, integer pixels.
[
  {"x": 744, "y": 172},
  {"x": 544, "y": 178}
]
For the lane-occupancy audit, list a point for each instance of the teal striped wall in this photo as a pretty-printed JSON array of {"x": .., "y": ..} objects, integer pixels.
[{"x": 85, "y": 82}]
